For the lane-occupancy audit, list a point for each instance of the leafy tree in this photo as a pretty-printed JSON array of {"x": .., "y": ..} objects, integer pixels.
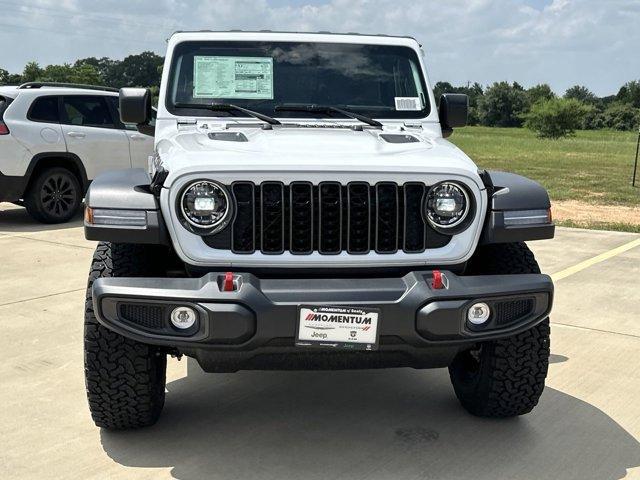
[
  {"x": 540, "y": 92},
  {"x": 141, "y": 70},
  {"x": 621, "y": 116},
  {"x": 630, "y": 94},
  {"x": 55, "y": 73},
  {"x": 556, "y": 118},
  {"x": 32, "y": 72},
  {"x": 502, "y": 105},
  {"x": 7, "y": 78},
  {"x": 85, "y": 73},
  {"x": 109, "y": 71},
  {"x": 582, "y": 94},
  {"x": 442, "y": 87}
]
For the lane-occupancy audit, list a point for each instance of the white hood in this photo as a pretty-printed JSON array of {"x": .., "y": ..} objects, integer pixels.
[{"x": 323, "y": 149}]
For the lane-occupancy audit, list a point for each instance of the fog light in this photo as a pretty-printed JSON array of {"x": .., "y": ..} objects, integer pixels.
[
  {"x": 183, "y": 317},
  {"x": 479, "y": 313}
]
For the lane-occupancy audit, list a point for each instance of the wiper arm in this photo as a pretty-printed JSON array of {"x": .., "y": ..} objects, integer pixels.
[
  {"x": 228, "y": 107},
  {"x": 312, "y": 108}
]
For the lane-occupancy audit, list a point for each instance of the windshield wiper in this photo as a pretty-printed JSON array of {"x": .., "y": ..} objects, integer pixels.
[
  {"x": 312, "y": 108},
  {"x": 228, "y": 107}
]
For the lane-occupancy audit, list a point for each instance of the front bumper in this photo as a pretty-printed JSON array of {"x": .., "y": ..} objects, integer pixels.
[{"x": 254, "y": 326}]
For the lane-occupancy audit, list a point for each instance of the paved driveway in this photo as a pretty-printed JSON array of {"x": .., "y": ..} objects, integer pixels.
[{"x": 388, "y": 424}]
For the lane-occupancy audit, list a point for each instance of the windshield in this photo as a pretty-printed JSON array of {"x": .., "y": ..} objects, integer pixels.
[{"x": 374, "y": 80}]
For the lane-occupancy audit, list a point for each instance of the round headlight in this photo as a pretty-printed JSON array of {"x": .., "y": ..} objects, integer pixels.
[
  {"x": 206, "y": 205},
  {"x": 447, "y": 205}
]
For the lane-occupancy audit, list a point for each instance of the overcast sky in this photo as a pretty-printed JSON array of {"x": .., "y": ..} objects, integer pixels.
[{"x": 561, "y": 42}]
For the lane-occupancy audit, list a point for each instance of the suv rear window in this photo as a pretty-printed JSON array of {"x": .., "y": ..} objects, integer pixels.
[
  {"x": 44, "y": 109},
  {"x": 87, "y": 112},
  {"x": 4, "y": 103}
]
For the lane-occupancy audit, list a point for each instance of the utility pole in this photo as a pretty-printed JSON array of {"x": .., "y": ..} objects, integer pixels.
[{"x": 635, "y": 165}]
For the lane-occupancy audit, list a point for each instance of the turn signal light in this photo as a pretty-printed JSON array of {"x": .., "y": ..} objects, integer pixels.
[
  {"x": 88, "y": 215},
  {"x": 117, "y": 218}
]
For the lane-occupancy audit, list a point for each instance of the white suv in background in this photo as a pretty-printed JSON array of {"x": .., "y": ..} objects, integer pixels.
[{"x": 55, "y": 138}]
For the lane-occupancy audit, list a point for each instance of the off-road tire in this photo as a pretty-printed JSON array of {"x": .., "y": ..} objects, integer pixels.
[
  {"x": 503, "y": 378},
  {"x": 54, "y": 196},
  {"x": 125, "y": 380}
]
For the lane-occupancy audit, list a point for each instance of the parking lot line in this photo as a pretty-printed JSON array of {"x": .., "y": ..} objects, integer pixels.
[
  {"x": 594, "y": 260},
  {"x": 32, "y": 237},
  {"x": 41, "y": 297}
]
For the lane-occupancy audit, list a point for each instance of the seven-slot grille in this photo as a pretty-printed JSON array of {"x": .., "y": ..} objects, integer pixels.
[{"x": 329, "y": 218}]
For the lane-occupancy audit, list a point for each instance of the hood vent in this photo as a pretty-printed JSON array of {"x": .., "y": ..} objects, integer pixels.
[
  {"x": 397, "y": 138},
  {"x": 228, "y": 136}
]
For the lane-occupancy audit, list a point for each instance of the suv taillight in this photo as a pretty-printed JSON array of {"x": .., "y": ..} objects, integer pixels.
[{"x": 4, "y": 130}]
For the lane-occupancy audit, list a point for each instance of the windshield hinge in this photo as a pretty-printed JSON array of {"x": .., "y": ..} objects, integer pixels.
[{"x": 413, "y": 125}]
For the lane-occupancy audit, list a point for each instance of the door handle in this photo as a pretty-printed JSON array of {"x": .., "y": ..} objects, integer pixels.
[
  {"x": 136, "y": 136},
  {"x": 76, "y": 134}
]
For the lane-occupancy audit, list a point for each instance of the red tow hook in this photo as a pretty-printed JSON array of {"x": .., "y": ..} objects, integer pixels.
[
  {"x": 437, "y": 283},
  {"x": 227, "y": 283}
]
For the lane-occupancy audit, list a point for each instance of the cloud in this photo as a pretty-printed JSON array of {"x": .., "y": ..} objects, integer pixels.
[{"x": 561, "y": 42}]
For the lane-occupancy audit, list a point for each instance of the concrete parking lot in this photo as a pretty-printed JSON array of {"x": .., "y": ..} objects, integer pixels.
[{"x": 387, "y": 424}]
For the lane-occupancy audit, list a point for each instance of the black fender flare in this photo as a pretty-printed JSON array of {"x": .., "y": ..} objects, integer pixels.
[{"x": 43, "y": 158}]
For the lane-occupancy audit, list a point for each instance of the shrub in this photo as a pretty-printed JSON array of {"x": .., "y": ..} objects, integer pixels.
[
  {"x": 556, "y": 118},
  {"x": 621, "y": 116}
]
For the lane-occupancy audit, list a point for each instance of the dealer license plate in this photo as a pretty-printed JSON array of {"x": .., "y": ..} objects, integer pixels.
[{"x": 339, "y": 327}]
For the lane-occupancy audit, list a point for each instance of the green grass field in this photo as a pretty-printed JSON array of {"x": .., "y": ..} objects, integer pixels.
[{"x": 593, "y": 167}]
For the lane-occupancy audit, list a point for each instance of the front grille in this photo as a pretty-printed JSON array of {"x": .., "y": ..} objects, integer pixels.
[{"x": 328, "y": 218}]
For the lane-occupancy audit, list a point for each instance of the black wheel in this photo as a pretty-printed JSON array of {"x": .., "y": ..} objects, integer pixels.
[
  {"x": 54, "y": 196},
  {"x": 125, "y": 380},
  {"x": 503, "y": 378}
]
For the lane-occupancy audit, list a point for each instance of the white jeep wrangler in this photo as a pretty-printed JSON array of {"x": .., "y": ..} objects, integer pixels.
[{"x": 303, "y": 210}]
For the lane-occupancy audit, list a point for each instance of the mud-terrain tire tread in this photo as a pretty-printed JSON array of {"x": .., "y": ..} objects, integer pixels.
[
  {"x": 125, "y": 380},
  {"x": 512, "y": 371}
]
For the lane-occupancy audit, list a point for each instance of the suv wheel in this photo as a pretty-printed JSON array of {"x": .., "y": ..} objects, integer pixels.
[
  {"x": 54, "y": 196},
  {"x": 503, "y": 378},
  {"x": 125, "y": 380}
]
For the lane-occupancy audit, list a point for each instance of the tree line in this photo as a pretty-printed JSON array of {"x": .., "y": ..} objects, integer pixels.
[
  {"x": 141, "y": 70},
  {"x": 504, "y": 104},
  {"x": 501, "y": 104}
]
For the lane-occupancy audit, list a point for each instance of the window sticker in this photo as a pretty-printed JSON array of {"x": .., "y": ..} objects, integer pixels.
[
  {"x": 408, "y": 104},
  {"x": 233, "y": 77}
]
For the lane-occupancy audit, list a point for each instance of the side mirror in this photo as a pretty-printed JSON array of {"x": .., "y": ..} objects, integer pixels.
[
  {"x": 135, "y": 107},
  {"x": 453, "y": 111}
]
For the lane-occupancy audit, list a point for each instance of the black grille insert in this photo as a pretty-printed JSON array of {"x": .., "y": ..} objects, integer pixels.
[
  {"x": 415, "y": 229},
  {"x": 387, "y": 218},
  {"x": 509, "y": 311},
  {"x": 272, "y": 217},
  {"x": 148, "y": 316},
  {"x": 330, "y": 217},
  {"x": 301, "y": 228},
  {"x": 359, "y": 217},
  {"x": 243, "y": 231}
]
